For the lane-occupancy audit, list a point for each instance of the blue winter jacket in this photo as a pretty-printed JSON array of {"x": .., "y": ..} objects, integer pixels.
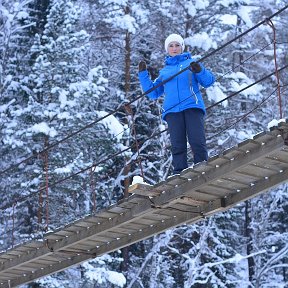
[{"x": 182, "y": 92}]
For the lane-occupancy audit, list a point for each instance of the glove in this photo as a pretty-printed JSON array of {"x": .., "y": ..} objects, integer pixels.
[
  {"x": 195, "y": 67},
  {"x": 142, "y": 66}
]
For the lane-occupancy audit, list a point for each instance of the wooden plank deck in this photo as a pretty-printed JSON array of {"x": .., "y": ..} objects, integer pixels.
[{"x": 238, "y": 174}]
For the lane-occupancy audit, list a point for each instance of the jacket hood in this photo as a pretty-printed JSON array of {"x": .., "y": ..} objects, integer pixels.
[{"x": 178, "y": 58}]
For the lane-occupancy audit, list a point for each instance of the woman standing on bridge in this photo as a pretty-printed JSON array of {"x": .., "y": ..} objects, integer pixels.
[{"x": 183, "y": 107}]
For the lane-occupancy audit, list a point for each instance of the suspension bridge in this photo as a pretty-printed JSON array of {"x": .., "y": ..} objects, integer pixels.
[{"x": 238, "y": 174}]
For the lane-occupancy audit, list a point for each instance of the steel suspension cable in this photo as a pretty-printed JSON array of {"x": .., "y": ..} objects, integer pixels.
[
  {"x": 243, "y": 116},
  {"x": 142, "y": 95},
  {"x": 244, "y": 61},
  {"x": 241, "y": 90},
  {"x": 210, "y": 107},
  {"x": 109, "y": 157}
]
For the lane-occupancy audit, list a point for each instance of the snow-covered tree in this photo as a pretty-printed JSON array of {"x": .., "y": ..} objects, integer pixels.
[
  {"x": 65, "y": 64},
  {"x": 15, "y": 25},
  {"x": 60, "y": 95}
]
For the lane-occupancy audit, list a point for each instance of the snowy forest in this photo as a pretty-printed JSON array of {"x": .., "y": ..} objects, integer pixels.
[{"x": 67, "y": 65}]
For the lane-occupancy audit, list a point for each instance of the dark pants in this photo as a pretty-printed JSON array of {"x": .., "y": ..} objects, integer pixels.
[{"x": 182, "y": 125}]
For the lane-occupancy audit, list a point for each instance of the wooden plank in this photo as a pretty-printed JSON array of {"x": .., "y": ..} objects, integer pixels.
[
  {"x": 53, "y": 257},
  {"x": 217, "y": 161},
  {"x": 54, "y": 237},
  {"x": 123, "y": 230},
  {"x": 19, "y": 271},
  {"x": 12, "y": 274},
  {"x": 128, "y": 206},
  {"x": 242, "y": 176},
  {"x": 190, "y": 174},
  {"x": 119, "y": 209},
  {"x": 96, "y": 242},
  {"x": 231, "y": 183},
  {"x": 162, "y": 187},
  {"x": 76, "y": 230},
  {"x": 167, "y": 213},
  {"x": 93, "y": 219},
  {"x": 63, "y": 233},
  {"x": 282, "y": 154},
  {"x": 157, "y": 217},
  {"x": 4, "y": 278},
  {"x": 20, "y": 249},
  {"x": 199, "y": 195},
  {"x": 10, "y": 254},
  {"x": 175, "y": 180},
  {"x": 107, "y": 214},
  {"x": 34, "y": 244},
  {"x": 45, "y": 261},
  {"x": 112, "y": 234},
  {"x": 90, "y": 242},
  {"x": 232, "y": 153},
  {"x": 142, "y": 189},
  {"x": 248, "y": 145},
  {"x": 265, "y": 167},
  {"x": 214, "y": 191},
  {"x": 237, "y": 180},
  {"x": 135, "y": 226},
  {"x": 103, "y": 237},
  {"x": 259, "y": 170},
  {"x": 33, "y": 266},
  {"x": 182, "y": 207},
  {"x": 82, "y": 224},
  {"x": 131, "y": 201},
  {"x": 75, "y": 250},
  {"x": 173, "y": 213},
  {"x": 146, "y": 221},
  {"x": 16, "y": 272},
  {"x": 4, "y": 258},
  {"x": 58, "y": 256},
  {"x": 191, "y": 201},
  {"x": 276, "y": 161},
  {"x": 203, "y": 167}
]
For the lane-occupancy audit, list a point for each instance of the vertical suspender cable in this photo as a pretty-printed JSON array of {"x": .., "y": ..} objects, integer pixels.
[
  {"x": 92, "y": 187},
  {"x": 270, "y": 23},
  {"x": 40, "y": 207},
  {"x": 46, "y": 183},
  {"x": 13, "y": 223},
  {"x": 130, "y": 112}
]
